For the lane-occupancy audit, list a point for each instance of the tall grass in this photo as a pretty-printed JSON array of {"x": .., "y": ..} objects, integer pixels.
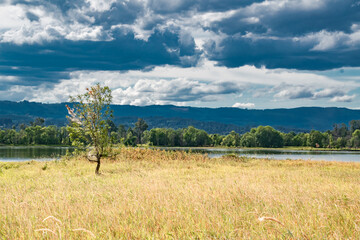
[{"x": 153, "y": 194}]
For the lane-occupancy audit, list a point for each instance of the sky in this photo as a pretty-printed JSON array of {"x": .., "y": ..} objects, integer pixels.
[{"x": 251, "y": 54}]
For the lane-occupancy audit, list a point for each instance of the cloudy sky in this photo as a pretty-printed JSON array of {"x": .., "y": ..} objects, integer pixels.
[{"x": 214, "y": 53}]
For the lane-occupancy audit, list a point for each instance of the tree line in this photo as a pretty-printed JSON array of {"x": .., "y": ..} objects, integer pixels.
[
  {"x": 263, "y": 136},
  {"x": 35, "y": 134},
  {"x": 341, "y": 136}
]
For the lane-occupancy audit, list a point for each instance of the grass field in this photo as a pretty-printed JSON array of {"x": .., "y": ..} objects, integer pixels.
[{"x": 150, "y": 194}]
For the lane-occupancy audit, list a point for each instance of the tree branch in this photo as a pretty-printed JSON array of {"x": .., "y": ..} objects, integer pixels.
[{"x": 91, "y": 160}]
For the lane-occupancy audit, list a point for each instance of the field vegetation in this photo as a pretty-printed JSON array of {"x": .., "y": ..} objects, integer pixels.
[{"x": 153, "y": 194}]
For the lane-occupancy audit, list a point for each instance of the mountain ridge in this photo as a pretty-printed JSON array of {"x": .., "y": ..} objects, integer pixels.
[{"x": 214, "y": 120}]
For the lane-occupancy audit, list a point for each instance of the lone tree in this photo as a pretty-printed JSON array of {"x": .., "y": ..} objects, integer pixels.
[{"x": 89, "y": 118}]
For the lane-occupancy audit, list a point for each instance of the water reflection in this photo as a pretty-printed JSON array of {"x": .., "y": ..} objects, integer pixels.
[
  {"x": 26, "y": 153},
  {"x": 341, "y": 156},
  {"x": 43, "y": 153}
]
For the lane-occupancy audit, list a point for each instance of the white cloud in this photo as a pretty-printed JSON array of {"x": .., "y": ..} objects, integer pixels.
[
  {"x": 175, "y": 91},
  {"x": 141, "y": 92},
  {"x": 329, "y": 92},
  {"x": 328, "y": 40},
  {"x": 8, "y": 79},
  {"x": 100, "y": 5},
  {"x": 345, "y": 98},
  {"x": 201, "y": 84},
  {"x": 27, "y": 34},
  {"x": 294, "y": 92},
  {"x": 285, "y": 91},
  {"x": 243, "y": 105},
  {"x": 325, "y": 40},
  {"x": 51, "y": 25},
  {"x": 81, "y": 32},
  {"x": 11, "y": 16}
]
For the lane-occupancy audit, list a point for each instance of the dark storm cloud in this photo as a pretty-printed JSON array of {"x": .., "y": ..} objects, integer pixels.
[
  {"x": 304, "y": 93},
  {"x": 52, "y": 61},
  {"x": 199, "y": 91},
  {"x": 32, "y": 17},
  {"x": 270, "y": 35},
  {"x": 291, "y": 19},
  {"x": 120, "y": 12},
  {"x": 334, "y": 15},
  {"x": 275, "y": 53},
  {"x": 178, "y": 6},
  {"x": 259, "y": 33},
  {"x": 62, "y": 5}
]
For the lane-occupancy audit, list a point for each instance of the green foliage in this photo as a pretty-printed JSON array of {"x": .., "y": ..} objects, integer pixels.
[
  {"x": 195, "y": 137},
  {"x": 355, "y": 139},
  {"x": 340, "y": 130},
  {"x": 288, "y": 138},
  {"x": 140, "y": 127},
  {"x": 354, "y": 125},
  {"x": 231, "y": 140},
  {"x": 300, "y": 139},
  {"x": 202, "y": 138},
  {"x": 78, "y": 137},
  {"x": 190, "y": 136},
  {"x": 248, "y": 140},
  {"x": 44, "y": 167},
  {"x": 35, "y": 135},
  {"x": 38, "y": 122},
  {"x": 262, "y": 136},
  {"x": 340, "y": 142},
  {"x": 268, "y": 137},
  {"x": 216, "y": 139},
  {"x": 316, "y": 139},
  {"x": 158, "y": 137},
  {"x": 112, "y": 126},
  {"x": 130, "y": 139}
]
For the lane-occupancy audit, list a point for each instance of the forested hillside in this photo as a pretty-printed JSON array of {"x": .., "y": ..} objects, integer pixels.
[{"x": 212, "y": 120}]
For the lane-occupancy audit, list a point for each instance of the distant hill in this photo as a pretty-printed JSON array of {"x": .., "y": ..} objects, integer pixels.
[{"x": 212, "y": 120}]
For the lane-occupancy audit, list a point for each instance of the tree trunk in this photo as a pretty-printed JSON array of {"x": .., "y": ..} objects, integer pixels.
[{"x": 97, "y": 166}]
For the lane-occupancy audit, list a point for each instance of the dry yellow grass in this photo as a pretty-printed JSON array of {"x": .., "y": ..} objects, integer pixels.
[{"x": 149, "y": 194}]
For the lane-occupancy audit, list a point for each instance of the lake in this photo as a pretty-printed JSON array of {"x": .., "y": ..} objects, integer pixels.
[
  {"x": 27, "y": 153},
  {"x": 47, "y": 153},
  {"x": 340, "y": 156}
]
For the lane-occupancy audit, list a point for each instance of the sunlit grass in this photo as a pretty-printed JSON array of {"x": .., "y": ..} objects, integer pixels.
[{"x": 174, "y": 195}]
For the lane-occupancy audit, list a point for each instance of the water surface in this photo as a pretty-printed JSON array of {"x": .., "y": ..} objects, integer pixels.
[
  {"x": 341, "y": 156},
  {"x": 47, "y": 153},
  {"x": 27, "y": 153}
]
